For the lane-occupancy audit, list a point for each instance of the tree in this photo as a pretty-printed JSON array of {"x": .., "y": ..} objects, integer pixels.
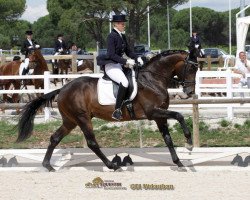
[
  {"x": 94, "y": 15},
  {"x": 209, "y": 25},
  {"x": 11, "y": 9}
]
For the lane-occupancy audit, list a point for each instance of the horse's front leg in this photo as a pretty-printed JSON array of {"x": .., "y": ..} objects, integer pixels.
[
  {"x": 163, "y": 128},
  {"x": 167, "y": 114}
]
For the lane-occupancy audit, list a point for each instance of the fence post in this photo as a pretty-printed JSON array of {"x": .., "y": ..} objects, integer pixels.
[
  {"x": 198, "y": 82},
  {"x": 96, "y": 67},
  {"x": 3, "y": 59},
  {"x": 196, "y": 132},
  {"x": 74, "y": 64},
  {"x": 209, "y": 62},
  {"x": 229, "y": 82},
  {"x": 46, "y": 90}
]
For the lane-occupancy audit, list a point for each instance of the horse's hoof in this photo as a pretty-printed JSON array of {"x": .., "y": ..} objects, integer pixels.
[
  {"x": 49, "y": 168},
  {"x": 189, "y": 146},
  {"x": 118, "y": 170},
  {"x": 181, "y": 169}
]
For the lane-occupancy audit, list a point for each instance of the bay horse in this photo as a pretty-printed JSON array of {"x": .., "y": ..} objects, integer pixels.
[
  {"x": 61, "y": 66},
  {"x": 195, "y": 53},
  {"x": 36, "y": 62},
  {"x": 78, "y": 104},
  {"x": 86, "y": 64},
  {"x": 8, "y": 69}
]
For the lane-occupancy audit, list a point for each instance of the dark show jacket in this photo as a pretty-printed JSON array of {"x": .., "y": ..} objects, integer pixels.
[
  {"x": 116, "y": 47},
  {"x": 195, "y": 40},
  {"x": 25, "y": 47},
  {"x": 59, "y": 45}
]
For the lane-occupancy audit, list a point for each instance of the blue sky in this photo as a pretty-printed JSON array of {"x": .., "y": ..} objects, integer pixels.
[{"x": 37, "y": 8}]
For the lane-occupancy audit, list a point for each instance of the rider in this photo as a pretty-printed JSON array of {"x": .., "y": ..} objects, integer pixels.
[
  {"x": 28, "y": 45},
  {"x": 60, "y": 46},
  {"x": 195, "y": 39},
  {"x": 114, "y": 62}
]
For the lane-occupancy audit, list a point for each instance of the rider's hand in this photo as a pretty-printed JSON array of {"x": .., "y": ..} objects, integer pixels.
[
  {"x": 139, "y": 60},
  {"x": 130, "y": 63},
  {"x": 60, "y": 50},
  {"x": 197, "y": 46},
  {"x": 37, "y": 46},
  {"x": 30, "y": 47}
]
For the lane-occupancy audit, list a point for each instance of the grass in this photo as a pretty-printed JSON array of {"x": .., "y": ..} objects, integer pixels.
[{"x": 117, "y": 135}]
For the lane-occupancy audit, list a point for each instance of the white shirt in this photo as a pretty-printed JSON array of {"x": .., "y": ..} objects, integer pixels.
[
  {"x": 242, "y": 67},
  {"x": 30, "y": 41},
  {"x": 120, "y": 33}
]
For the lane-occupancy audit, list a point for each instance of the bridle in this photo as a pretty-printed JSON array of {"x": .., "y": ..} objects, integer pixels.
[{"x": 185, "y": 83}]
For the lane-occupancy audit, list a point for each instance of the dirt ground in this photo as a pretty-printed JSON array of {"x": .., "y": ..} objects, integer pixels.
[{"x": 71, "y": 185}]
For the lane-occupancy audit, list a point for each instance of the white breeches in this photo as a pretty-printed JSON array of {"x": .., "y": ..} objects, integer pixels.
[
  {"x": 53, "y": 60},
  {"x": 115, "y": 72},
  {"x": 24, "y": 65}
]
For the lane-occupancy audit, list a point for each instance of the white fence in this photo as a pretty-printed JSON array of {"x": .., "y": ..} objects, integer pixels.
[
  {"x": 10, "y": 52},
  {"x": 230, "y": 88}
]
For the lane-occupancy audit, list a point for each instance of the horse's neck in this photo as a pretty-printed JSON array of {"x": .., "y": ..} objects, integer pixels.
[{"x": 42, "y": 63}]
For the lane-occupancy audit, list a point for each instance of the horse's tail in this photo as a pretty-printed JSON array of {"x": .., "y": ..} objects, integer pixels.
[{"x": 26, "y": 120}]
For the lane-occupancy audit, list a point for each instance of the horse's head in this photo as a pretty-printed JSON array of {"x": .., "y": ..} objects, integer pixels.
[
  {"x": 186, "y": 70},
  {"x": 36, "y": 60},
  {"x": 171, "y": 63}
]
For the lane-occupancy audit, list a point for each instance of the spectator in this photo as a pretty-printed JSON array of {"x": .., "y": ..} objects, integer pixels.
[
  {"x": 242, "y": 66},
  {"x": 73, "y": 49}
]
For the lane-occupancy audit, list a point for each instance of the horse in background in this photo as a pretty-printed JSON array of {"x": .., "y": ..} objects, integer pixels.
[
  {"x": 10, "y": 69},
  {"x": 85, "y": 64},
  {"x": 78, "y": 104},
  {"x": 37, "y": 64},
  {"x": 61, "y": 66},
  {"x": 194, "y": 53}
]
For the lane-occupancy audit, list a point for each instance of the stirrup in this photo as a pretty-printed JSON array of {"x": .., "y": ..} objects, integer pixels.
[{"x": 117, "y": 114}]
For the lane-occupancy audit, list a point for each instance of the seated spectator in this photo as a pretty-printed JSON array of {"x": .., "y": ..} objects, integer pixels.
[
  {"x": 73, "y": 49},
  {"x": 242, "y": 66}
]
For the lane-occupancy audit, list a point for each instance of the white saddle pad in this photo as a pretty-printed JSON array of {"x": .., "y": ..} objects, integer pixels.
[{"x": 105, "y": 91}]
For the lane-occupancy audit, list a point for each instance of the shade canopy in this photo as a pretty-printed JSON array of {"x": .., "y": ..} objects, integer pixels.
[{"x": 242, "y": 25}]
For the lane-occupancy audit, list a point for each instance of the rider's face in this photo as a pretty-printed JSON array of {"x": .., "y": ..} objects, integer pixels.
[
  {"x": 120, "y": 26},
  {"x": 29, "y": 37}
]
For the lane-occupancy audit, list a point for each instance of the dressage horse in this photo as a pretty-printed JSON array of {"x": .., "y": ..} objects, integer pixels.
[
  {"x": 36, "y": 62},
  {"x": 61, "y": 66},
  {"x": 78, "y": 104},
  {"x": 195, "y": 53}
]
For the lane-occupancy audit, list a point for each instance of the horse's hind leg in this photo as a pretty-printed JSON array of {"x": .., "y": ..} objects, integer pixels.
[
  {"x": 54, "y": 141},
  {"x": 87, "y": 129},
  {"x": 163, "y": 128}
]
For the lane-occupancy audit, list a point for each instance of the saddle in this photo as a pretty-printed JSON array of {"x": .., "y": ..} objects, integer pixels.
[{"x": 107, "y": 89}]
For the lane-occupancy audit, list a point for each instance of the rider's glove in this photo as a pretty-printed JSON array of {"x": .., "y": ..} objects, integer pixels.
[
  {"x": 60, "y": 50},
  {"x": 37, "y": 46},
  {"x": 197, "y": 46},
  {"x": 139, "y": 60},
  {"x": 30, "y": 47},
  {"x": 130, "y": 63}
]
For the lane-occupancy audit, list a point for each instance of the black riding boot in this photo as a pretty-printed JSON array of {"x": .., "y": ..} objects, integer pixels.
[{"x": 117, "y": 114}]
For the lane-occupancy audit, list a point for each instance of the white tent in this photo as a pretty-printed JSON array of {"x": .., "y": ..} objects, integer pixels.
[{"x": 242, "y": 24}]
